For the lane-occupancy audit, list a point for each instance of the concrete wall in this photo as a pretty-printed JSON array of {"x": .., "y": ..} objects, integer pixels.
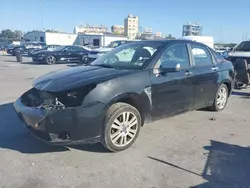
[
  {"x": 35, "y": 36},
  {"x": 88, "y": 39},
  {"x": 61, "y": 38}
]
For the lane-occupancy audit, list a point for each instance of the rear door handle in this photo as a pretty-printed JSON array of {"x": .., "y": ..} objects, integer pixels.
[
  {"x": 188, "y": 73},
  {"x": 214, "y": 68}
]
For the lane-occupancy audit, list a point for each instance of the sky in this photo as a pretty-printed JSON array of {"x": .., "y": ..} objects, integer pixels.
[{"x": 225, "y": 20}]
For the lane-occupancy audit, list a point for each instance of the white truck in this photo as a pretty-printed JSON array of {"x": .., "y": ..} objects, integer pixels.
[{"x": 207, "y": 40}]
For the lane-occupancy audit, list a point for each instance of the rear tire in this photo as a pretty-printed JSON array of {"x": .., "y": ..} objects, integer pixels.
[
  {"x": 122, "y": 127},
  {"x": 50, "y": 60},
  {"x": 221, "y": 98}
]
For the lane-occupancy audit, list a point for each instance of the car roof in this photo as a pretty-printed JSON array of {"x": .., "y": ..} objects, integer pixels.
[{"x": 170, "y": 41}]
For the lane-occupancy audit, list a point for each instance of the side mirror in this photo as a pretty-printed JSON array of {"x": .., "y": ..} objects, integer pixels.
[{"x": 169, "y": 66}]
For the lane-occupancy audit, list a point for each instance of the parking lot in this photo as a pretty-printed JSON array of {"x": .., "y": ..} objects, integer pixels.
[{"x": 198, "y": 149}]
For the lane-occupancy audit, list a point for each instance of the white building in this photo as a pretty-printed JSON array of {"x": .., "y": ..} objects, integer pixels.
[
  {"x": 51, "y": 38},
  {"x": 131, "y": 26},
  {"x": 192, "y": 29},
  {"x": 98, "y": 40},
  {"x": 90, "y": 29},
  {"x": 48, "y": 38}
]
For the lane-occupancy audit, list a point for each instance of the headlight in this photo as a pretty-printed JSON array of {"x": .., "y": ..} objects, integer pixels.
[{"x": 75, "y": 97}]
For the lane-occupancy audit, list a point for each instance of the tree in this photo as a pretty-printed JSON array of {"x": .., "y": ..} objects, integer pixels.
[
  {"x": 8, "y": 34},
  {"x": 169, "y": 37},
  {"x": 51, "y": 31},
  {"x": 18, "y": 34}
]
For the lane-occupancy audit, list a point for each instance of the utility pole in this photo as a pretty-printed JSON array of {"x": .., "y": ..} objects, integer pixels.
[{"x": 41, "y": 6}]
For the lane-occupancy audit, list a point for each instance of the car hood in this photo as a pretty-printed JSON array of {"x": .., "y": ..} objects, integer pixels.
[
  {"x": 44, "y": 52},
  {"x": 71, "y": 78},
  {"x": 239, "y": 54}
]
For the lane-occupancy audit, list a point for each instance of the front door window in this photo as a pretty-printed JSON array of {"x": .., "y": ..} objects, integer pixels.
[{"x": 177, "y": 54}]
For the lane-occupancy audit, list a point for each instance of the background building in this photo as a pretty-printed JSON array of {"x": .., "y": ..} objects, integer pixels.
[
  {"x": 158, "y": 35},
  {"x": 191, "y": 29},
  {"x": 98, "y": 40},
  {"x": 50, "y": 37},
  {"x": 131, "y": 26},
  {"x": 90, "y": 29},
  {"x": 117, "y": 29},
  {"x": 146, "y": 34}
]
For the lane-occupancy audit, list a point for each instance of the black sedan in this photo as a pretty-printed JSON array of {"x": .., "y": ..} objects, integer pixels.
[
  {"x": 109, "y": 100},
  {"x": 26, "y": 47},
  {"x": 62, "y": 54},
  {"x": 47, "y": 47},
  {"x": 10, "y": 48}
]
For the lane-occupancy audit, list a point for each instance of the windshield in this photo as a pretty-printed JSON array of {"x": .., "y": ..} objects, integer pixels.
[
  {"x": 114, "y": 44},
  {"x": 129, "y": 56},
  {"x": 59, "y": 48},
  {"x": 243, "y": 46}
]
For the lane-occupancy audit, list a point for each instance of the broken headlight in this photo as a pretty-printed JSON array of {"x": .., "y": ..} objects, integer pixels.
[{"x": 73, "y": 98}]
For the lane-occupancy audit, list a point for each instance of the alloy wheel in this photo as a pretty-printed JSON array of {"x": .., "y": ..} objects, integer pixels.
[
  {"x": 50, "y": 60},
  {"x": 124, "y": 129},
  {"x": 222, "y": 98}
]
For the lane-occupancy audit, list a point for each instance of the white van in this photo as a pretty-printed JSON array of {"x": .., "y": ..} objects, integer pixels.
[{"x": 207, "y": 40}]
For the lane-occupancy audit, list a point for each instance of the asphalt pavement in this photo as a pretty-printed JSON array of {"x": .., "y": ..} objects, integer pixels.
[{"x": 198, "y": 149}]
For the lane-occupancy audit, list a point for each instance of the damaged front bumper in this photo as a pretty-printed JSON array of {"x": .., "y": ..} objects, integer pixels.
[{"x": 61, "y": 126}]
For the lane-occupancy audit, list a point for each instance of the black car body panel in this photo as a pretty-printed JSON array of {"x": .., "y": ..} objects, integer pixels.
[
  {"x": 53, "y": 125},
  {"x": 69, "y": 106},
  {"x": 47, "y": 47},
  {"x": 76, "y": 77},
  {"x": 26, "y": 47},
  {"x": 62, "y": 55}
]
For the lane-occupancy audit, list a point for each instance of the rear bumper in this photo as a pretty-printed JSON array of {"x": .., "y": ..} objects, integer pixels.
[{"x": 66, "y": 126}]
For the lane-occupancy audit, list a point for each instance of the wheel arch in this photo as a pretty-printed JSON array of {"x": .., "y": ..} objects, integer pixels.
[
  {"x": 228, "y": 84},
  {"x": 140, "y": 101}
]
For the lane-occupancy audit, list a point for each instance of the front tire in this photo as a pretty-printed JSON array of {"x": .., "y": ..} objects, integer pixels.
[
  {"x": 221, "y": 98},
  {"x": 50, "y": 60},
  {"x": 122, "y": 127}
]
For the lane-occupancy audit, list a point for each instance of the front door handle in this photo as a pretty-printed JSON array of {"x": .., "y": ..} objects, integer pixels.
[
  {"x": 214, "y": 68},
  {"x": 188, "y": 73}
]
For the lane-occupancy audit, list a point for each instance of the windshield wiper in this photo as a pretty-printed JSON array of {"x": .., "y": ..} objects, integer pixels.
[{"x": 105, "y": 65}]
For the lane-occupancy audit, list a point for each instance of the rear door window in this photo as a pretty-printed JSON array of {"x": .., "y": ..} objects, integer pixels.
[{"x": 201, "y": 55}]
